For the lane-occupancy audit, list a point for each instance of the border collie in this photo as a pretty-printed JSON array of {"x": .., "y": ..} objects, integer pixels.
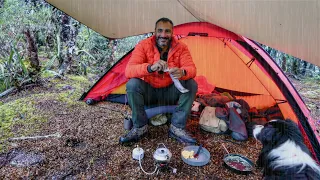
[{"x": 283, "y": 154}]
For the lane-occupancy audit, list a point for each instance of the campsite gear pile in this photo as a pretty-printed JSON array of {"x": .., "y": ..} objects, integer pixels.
[
  {"x": 195, "y": 155},
  {"x": 161, "y": 157},
  {"x": 209, "y": 121},
  {"x": 223, "y": 113}
]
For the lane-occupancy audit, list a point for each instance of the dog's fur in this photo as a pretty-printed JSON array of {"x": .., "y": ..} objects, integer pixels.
[{"x": 284, "y": 155}]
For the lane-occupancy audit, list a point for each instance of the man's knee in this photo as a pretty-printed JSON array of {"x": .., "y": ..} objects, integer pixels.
[
  {"x": 192, "y": 85},
  {"x": 133, "y": 85}
]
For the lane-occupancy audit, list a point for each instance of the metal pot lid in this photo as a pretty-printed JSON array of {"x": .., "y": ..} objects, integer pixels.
[{"x": 162, "y": 154}]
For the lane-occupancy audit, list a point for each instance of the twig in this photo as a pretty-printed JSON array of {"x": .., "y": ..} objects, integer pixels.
[
  {"x": 57, "y": 135},
  {"x": 225, "y": 148},
  {"x": 6, "y": 92}
]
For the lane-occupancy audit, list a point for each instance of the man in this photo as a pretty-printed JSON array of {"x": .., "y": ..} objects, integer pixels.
[{"x": 149, "y": 84}]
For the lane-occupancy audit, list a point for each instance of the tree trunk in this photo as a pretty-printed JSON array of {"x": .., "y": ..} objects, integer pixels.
[
  {"x": 304, "y": 68},
  {"x": 284, "y": 63},
  {"x": 33, "y": 2},
  {"x": 1, "y": 3},
  {"x": 311, "y": 70},
  {"x": 279, "y": 58},
  {"x": 68, "y": 36},
  {"x": 295, "y": 66},
  {"x": 64, "y": 36},
  {"x": 53, "y": 29},
  {"x": 273, "y": 53},
  {"x": 32, "y": 52},
  {"x": 113, "y": 46},
  {"x": 268, "y": 49}
]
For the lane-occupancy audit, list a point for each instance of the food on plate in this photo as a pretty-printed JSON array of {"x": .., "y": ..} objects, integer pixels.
[
  {"x": 239, "y": 164},
  {"x": 188, "y": 154}
]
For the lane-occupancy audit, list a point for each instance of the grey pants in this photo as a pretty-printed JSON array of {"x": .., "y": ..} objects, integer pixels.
[{"x": 141, "y": 94}]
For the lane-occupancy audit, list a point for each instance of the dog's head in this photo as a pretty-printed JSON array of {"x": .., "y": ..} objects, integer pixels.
[{"x": 276, "y": 132}]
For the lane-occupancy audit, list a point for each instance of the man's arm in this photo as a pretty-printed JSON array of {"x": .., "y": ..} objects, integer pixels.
[
  {"x": 137, "y": 66},
  {"x": 187, "y": 64}
]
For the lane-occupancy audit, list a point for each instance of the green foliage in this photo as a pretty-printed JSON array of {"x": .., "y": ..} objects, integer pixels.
[
  {"x": 126, "y": 44},
  {"x": 56, "y": 56},
  {"x": 95, "y": 53},
  {"x": 289, "y": 63},
  {"x": 94, "y": 50},
  {"x": 16, "y": 17},
  {"x": 13, "y": 72},
  {"x": 100, "y": 53}
]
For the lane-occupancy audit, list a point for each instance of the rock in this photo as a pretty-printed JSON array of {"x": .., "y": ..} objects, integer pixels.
[
  {"x": 67, "y": 87},
  {"x": 6, "y": 157},
  {"x": 23, "y": 159}
]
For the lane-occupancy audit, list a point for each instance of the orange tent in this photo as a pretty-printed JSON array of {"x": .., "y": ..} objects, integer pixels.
[{"x": 230, "y": 62}]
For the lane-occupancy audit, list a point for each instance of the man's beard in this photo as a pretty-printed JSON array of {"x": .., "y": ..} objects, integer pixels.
[{"x": 163, "y": 44}]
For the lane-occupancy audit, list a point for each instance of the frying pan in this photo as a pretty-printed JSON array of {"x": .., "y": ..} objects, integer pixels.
[{"x": 237, "y": 163}]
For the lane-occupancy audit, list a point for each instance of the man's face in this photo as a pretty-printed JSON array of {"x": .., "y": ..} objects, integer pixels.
[{"x": 163, "y": 33}]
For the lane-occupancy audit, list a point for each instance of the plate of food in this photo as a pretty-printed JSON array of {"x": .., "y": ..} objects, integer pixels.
[{"x": 195, "y": 155}]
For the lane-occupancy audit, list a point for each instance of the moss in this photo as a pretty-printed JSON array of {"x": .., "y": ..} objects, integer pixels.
[
  {"x": 47, "y": 74},
  {"x": 19, "y": 118},
  {"x": 80, "y": 79},
  {"x": 313, "y": 81},
  {"x": 72, "y": 89},
  {"x": 81, "y": 83}
]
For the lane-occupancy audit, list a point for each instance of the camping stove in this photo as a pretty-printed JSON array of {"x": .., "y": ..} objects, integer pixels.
[{"x": 161, "y": 156}]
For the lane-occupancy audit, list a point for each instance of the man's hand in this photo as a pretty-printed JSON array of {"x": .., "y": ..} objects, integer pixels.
[
  {"x": 160, "y": 65},
  {"x": 176, "y": 72}
]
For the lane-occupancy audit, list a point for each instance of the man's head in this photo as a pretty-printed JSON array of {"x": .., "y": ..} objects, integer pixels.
[{"x": 163, "y": 31}]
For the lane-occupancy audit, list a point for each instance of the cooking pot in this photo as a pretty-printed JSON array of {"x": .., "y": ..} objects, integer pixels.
[{"x": 237, "y": 163}]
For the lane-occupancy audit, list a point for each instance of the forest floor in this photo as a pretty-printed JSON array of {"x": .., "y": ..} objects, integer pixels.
[{"x": 86, "y": 145}]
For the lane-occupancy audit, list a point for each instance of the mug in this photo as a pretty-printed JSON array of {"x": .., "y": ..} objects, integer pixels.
[{"x": 127, "y": 123}]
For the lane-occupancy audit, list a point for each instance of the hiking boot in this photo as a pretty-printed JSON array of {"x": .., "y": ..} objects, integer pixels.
[
  {"x": 134, "y": 134},
  {"x": 181, "y": 135}
]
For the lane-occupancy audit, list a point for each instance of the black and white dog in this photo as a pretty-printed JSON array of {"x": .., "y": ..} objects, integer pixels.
[{"x": 284, "y": 155}]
